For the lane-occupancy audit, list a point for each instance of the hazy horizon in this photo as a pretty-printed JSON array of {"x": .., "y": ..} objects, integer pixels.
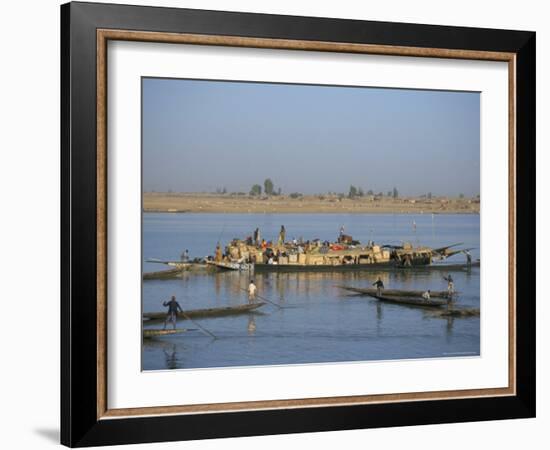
[{"x": 199, "y": 136}]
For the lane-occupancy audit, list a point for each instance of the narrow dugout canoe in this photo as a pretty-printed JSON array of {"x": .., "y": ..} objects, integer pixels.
[
  {"x": 164, "y": 274},
  {"x": 412, "y": 301},
  {"x": 209, "y": 312},
  {"x": 177, "y": 270},
  {"x": 465, "y": 312},
  {"x": 150, "y": 333},
  {"x": 394, "y": 292}
]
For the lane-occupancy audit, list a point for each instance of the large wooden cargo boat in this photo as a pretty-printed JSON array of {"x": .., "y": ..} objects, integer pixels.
[
  {"x": 317, "y": 256},
  {"x": 346, "y": 254}
]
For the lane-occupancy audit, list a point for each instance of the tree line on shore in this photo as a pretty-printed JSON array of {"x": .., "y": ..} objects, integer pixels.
[{"x": 268, "y": 189}]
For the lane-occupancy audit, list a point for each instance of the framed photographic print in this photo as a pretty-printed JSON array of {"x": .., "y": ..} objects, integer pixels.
[{"x": 277, "y": 224}]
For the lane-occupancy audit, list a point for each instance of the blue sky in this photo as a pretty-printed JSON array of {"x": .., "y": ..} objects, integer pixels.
[{"x": 201, "y": 135}]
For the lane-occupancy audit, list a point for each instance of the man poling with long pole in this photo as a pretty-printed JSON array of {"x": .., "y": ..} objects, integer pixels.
[
  {"x": 174, "y": 309},
  {"x": 251, "y": 290}
]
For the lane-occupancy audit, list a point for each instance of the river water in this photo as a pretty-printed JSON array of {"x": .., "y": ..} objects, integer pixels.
[{"x": 319, "y": 322}]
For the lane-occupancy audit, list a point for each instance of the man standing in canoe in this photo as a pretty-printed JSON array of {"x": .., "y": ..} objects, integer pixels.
[
  {"x": 379, "y": 286},
  {"x": 251, "y": 292},
  {"x": 450, "y": 285},
  {"x": 468, "y": 258},
  {"x": 173, "y": 308}
]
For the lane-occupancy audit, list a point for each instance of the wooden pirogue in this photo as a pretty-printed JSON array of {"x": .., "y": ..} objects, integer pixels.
[
  {"x": 394, "y": 292},
  {"x": 163, "y": 274},
  {"x": 150, "y": 333},
  {"x": 452, "y": 312},
  {"x": 412, "y": 301},
  {"x": 208, "y": 312},
  {"x": 178, "y": 268}
]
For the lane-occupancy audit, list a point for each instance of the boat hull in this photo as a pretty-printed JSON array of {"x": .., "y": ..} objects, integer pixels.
[
  {"x": 375, "y": 267},
  {"x": 394, "y": 292},
  {"x": 163, "y": 274},
  {"x": 466, "y": 312},
  {"x": 412, "y": 301},
  {"x": 151, "y": 333}
]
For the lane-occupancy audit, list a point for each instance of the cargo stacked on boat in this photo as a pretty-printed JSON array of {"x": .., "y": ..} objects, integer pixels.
[{"x": 316, "y": 255}]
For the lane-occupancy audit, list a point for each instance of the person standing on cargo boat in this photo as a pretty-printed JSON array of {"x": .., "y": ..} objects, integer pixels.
[
  {"x": 251, "y": 292},
  {"x": 173, "y": 308},
  {"x": 257, "y": 240},
  {"x": 185, "y": 256},
  {"x": 218, "y": 253},
  {"x": 282, "y": 235},
  {"x": 379, "y": 286},
  {"x": 341, "y": 235}
]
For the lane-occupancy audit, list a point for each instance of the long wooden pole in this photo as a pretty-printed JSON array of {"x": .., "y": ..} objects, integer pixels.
[{"x": 204, "y": 330}]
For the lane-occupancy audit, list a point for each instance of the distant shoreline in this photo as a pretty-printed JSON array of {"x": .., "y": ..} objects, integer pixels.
[{"x": 310, "y": 204}]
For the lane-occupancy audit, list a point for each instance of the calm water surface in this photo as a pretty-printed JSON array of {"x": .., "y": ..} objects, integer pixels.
[{"x": 319, "y": 322}]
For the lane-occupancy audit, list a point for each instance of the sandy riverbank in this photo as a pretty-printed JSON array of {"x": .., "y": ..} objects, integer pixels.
[{"x": 217, "y": 203}]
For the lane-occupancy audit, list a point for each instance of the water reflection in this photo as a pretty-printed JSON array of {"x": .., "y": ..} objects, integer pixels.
[
  {"x": 166, "y": 347},
  {"x": 251, "y": 328},
  {"x": 379, "y": 317},
  {"x": 449, "y": 327},
  {"x": 171, "y": 357}
]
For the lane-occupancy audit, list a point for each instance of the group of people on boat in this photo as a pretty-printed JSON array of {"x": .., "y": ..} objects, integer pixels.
[
  {"x": 343, "y": 251},
  {"x": 256, "y": 238},
  {"x": 426, "y": 295},
  {"x": 255, "y": 249}
]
